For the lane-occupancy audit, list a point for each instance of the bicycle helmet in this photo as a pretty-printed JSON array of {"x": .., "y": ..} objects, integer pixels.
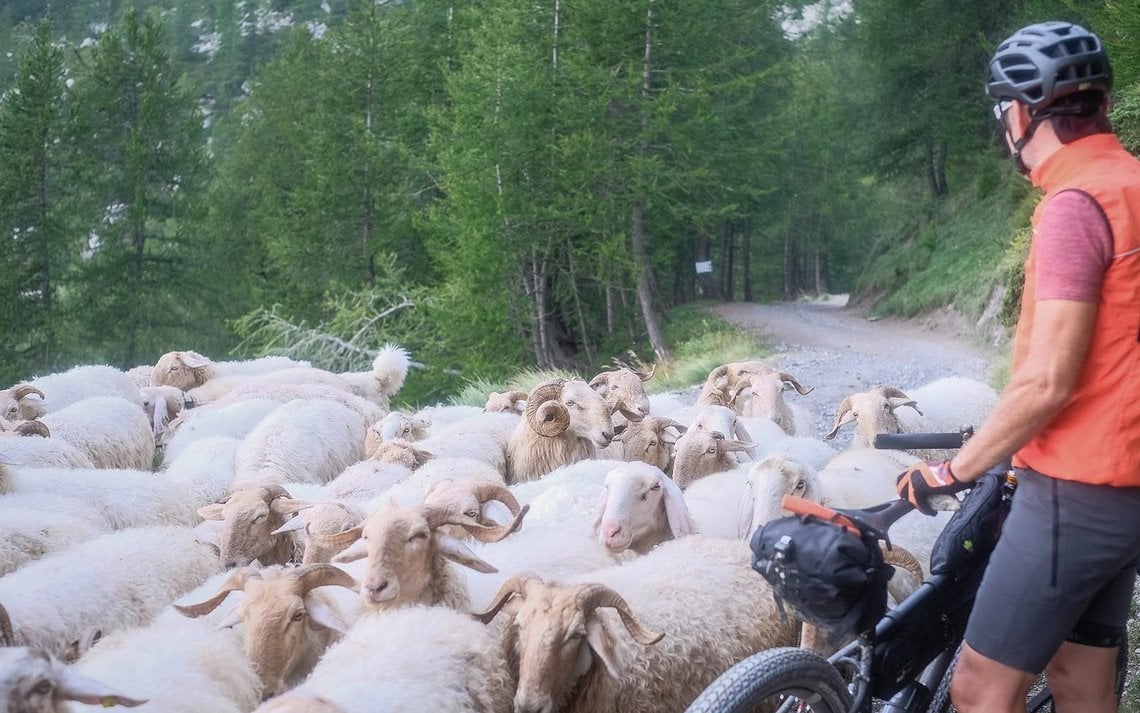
[{"x": 1043, "y": 63}]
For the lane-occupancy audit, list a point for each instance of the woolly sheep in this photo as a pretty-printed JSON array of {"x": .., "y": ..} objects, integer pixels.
[
  {"x": 483, "y": 437},
  {"x": 624, "y": 390},
  {"x": 34, "y": 682},
  {"x": 413, "y": 659},
  {"x": 506, "y": 402},
  {"x": 389, "y": 369},
  {"x": 862, "y": 477},
  {"x": 767, "y": 483},
  {"x": 125, "y": 578},
  {"x": 301, "y": 442},
  {"x": 811, "y": 452},
  {"x": 365, "y": 480},
  {"x": 112, "y": 432},
  {"x": 762, "y": 396},
  {"x": 140, "y": 375},
  {"x": 322, "y": 519},
  {"x": 640, "y": 507},
  {"x": 722, "y": 381},
  {"x": 407, "y": 552},
  {"x": 162, "y": 405},
  {"x": 565, "y": 421},
  {"x": 226, "y": 388},
  {"x": 186, "y": 370},
  {"x": 250, "y": 517},
  {"x": 179, "y": 666},
  {"x": 288, "y": 619},
  {"x": 59, "y": 390},
  {"x": 650, "y": 440},
  {"x": 687, "y": 591},
  {"x": 699, "y": 454},
  {"x": 396, "y": 424},
  {"x": 37, "y": 452},
  {"x": 20, "y": 429},
  {"x": 442, "y": 416},
  {"x": 234, "y": 420},
  {"x": 28, "y": 534},
  {"x": 369, "y": 412},
  {"x": 567, "y": 497}
]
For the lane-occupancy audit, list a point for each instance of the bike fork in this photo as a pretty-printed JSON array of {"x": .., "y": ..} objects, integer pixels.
[{"x": 917, "y": 695}]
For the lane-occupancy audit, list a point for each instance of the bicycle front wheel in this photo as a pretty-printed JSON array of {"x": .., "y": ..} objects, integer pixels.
[{"x": 783, "y": 679}]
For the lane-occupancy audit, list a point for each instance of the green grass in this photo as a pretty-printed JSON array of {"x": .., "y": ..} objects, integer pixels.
[{"x": 701, "y": 341}]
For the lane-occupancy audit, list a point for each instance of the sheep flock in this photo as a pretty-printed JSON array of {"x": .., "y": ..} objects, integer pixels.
[{"x": 264, "y": 535}]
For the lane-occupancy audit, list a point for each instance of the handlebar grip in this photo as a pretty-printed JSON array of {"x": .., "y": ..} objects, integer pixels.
[{"x": 906, "y": 441}]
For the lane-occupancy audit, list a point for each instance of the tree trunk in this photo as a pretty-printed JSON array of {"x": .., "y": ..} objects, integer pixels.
[
  {"x": 366, "y": 227},
  {"x": 818, "y": 283},
  {"x": 940, "y": 170},
  {"x": 578, "y": 302},
  {"x": 609, "y": 309},
  {"x": 746, "y": 258},
  {"x": 138, "y": 240},
  {"x": 789, "y": 265},
  {"x": 730, "y": 261},
  {"x": 538, "y": 276}
]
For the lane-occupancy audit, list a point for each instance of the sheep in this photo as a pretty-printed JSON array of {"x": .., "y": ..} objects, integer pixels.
[
  {"x": 289, "y": 621},
  {"x": 764, "y": 488},
  {"x": 506, "y": 402},
  {"x": 407, "y": 555},
  {"x": 327, "y": 518},
  {"x": 452, "y": 415},
  {"x": 487, "y": 502},
  {"x": 125, "y": 578},
  {"x": 567, "y": 497},
  {"x": 28, "y": 534},
  {"x": 640, "y": 508},
  {"x": 565, "y": 421},
  {"x": 369, "y": 412},
  {"x": 162, "y": 405},
  {"x": 301, "y": 442},
  {"x": 20, "y": 429},
  {"x": 721, "y": 382},
  {"x": 483, "y": 437},
  {"x": 624, "y": 391},
  {"x": 179, "y": 665},
  {"x": 249, "y": 519},
  {"x": 762, "y": 396},
  {"x": 810, "y": 451},
  {"x": 406, "y": 661},
  {"x": 365, "y": 480},
  {"x": 112, "y": 432},
  {"x": 947, "y": 405},
  {"x": 231, "y": 387},
  {"x": 186, "y": 370},
  {"x": 395, "y": 425},
  {"x": 56, "y": 391},
  {"x": 389, "y": 369},
  {"x": 701, "y": 453},
  {"x": 862, "y": 477},
  {"x": 651, "y": 440},
  {"x": 234, "y": 420},
  {"x": 668, "y": 403},
  {"x": 140, "y": 375},
  {"x": 400, "y": 452},
  {"x": 565, "y": 641},
  {"x": 41, "y": 453},
  {"x": 35, "y": 682}
]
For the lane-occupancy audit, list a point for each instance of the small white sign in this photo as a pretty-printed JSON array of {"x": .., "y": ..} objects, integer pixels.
[{"x": 704, "y": 267}]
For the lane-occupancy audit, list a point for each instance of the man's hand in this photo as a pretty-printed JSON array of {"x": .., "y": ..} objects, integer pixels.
[{"x": 927, "y": 478}]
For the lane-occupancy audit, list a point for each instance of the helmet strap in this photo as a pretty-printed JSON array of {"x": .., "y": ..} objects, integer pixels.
[{"x": 1018, "y": 145}]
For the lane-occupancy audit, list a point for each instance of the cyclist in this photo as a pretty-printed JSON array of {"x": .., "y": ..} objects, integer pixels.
[{"x": 1056, "y": 594}]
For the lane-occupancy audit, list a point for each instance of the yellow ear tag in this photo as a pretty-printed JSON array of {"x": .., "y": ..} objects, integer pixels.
[{"x": 108, "y": 701}]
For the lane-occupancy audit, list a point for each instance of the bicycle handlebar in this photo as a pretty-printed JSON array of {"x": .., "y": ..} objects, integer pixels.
[{"x": 907, "y": 441}]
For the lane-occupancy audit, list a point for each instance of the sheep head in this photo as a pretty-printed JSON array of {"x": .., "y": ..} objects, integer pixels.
[
  {"x": 701, "y": 453},
  {"x": 768, "y": 482},
  {"x": 32, "y": 682},
  {"x": 24, "y": 428},
  {"x": 639, "y": 508},
  {"x": 287, "y": 624},
  {"x": 162, "y": 405},
  {"x": 406, "y": 549},
  {"x": 182, "y": 370},
  {"x": 557, "y": 634},
  {"x": 395, "y": 425},
  {"x": 571, "y": 407},
  {"x": 651, "y": 440},
  {"x": 873, "y": 412},
  {"x": 474, "y": 500},
  {"x": 403, "y": 453},
  {"x": 624, "y": 391},
  {"x": 319, "y": 521},
  {"x": 249, "y": 518},
  {"x": 506, "y": 402},
  {"x": 16, "y": 406}
]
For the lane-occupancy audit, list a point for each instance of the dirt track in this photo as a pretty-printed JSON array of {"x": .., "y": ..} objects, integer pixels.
[{"x": 838, "y": 349}]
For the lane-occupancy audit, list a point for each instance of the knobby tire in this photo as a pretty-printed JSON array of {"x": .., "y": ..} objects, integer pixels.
[{"x": 773, "y": 676}]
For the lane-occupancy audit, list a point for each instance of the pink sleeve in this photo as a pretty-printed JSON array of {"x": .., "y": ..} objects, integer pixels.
[{"x": 1074, "y": 248}]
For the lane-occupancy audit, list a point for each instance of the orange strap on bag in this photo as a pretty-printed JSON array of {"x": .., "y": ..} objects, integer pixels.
[{"x": 799, "y": 506}]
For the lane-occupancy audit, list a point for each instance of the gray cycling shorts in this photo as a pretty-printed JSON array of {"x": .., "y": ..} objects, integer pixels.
[{"x": 1063, "y": 570}]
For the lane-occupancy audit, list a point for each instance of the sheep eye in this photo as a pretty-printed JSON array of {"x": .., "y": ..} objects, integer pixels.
[
  {"x": 652, "y": 443},
  {"x": 614, "y": 387},
  {"x": 174, "y": 367},
  {"x": 712, "y": 449},
  {"x": 471, "y": 513},
  {"x": 299, "y": 615},
  {"x": 571, "y": 403},
  {"x": 656, "y": 486},
  {"x": 418, "y": 536},
  {"x": 855, "y": 414},
  {"x": 259, "y": 518},
  {"x": 42, "y": 688},
  {"x": 801, "y": 485}
]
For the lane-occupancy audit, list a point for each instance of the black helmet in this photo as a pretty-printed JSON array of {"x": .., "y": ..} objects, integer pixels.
[{"x": 1048, "y": 61}]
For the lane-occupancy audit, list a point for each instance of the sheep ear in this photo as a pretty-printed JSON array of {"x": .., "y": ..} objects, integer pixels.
[
  {"x": 601, "y": 641},
  {"x": 211, "y": 512},
  {"x": 324, "y": 615},
  {"x": 743, "y": 435},
  {"x": 603, "y": 498},
  {"x": 356, "y": 551},
  {"x": 73, "y": 687},
  {"x": 675, "y": 511},
  {"x": 295, "y": 523},
  {"x": 458, "y": 552},
  {"x": 747, "y": 508},
  {"x": 194, "y": 360},
  {"x": 288, "y": 506}
]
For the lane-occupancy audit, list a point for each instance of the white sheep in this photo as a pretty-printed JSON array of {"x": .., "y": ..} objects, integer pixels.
[
  {"x": 700, "y": 453},
  {"x": 441, "y": 415},
  {"x": 250, "y": 518},
  {"x": 765, "y": 487},
  {"x": 314, "y": 524},
  {"x": 124, "y": 578},
  {"x": 396, "y": 424},
  {"x": 49, "y": 393},
  {"x": 565, "y": 421},
  {"x": 369, "y": 412},
  {"x": 234, "y": 420},
  {"x": 862, "y": 477},
  {"x": 483, "y": 437},
  {"x": 389, "y": 369},
  {"x": 34, "y": 682},
  {"x": 762, "y": 396},
  {"x": 811, "y": 452},
  {"x": 112, "y": 432},
  {"x": 288, "y": 617},
  {"x": 601, "y": 630},
  {"x": 720, "y": 385},
  {"x": 567, "y": 497},
  {"x": 140, "y": 375},
  {"x": 640, "y": 507},
  {"x": 37, "y": 452},
  {"x": 301, "y": 442},
  {"x": 27, "y": 534},
  {"x": 231, "y": 387},
  {"x": 406, "y": 661},
  {"x": 506, "y": 402},
  {"x": 186, "y": 370},
  {"x": 162, "y": 405}
]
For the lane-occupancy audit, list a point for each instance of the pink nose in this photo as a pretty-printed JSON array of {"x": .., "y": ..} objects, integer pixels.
[{"x": 611, "y": 531}]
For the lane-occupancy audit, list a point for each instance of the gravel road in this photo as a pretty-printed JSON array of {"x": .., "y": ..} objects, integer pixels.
[{"x": 840, "y": 350}]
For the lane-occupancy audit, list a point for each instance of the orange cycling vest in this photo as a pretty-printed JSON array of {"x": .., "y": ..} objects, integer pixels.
[{"x": 1096, "y": 436}]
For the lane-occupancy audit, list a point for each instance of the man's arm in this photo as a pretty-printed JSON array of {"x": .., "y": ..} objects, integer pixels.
[{"x": 1038, "y": 388}]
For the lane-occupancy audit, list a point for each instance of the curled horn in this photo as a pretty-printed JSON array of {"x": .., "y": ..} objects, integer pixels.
[
  {"x": 438, "y": 516},
  {"x": 33, "y": 428},
  {"x": 903, "y": 558},
  {"x": 666, "y": 422},
  {"x": 513, "y": 396},
  {"x": 7, "y": 635},
  {"x": 646, "y": 376},
  {"x": 324, "y": 575},
  {"x": 840, "y": 413},
  {"x": 546, "y": 416},
  {"x": 514, "y": 586},
  {"x": 272, "y": 492},
  {"x": 489, "y": 490},
  {"x": 19, "y": 392},
  {"x": 789, "y": 379},
  {"x": 600, "y": 379},
  {"x": 235, "y": 583},
  {"x": 594, "y": 596}
]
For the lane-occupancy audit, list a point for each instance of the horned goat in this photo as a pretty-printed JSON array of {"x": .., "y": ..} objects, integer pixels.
[
  {"x": 762, "y": 396},
  {"x": 565, "y": 421},
  {"x": 651, "y": 440},
  {"x": 699, "y": 454}
]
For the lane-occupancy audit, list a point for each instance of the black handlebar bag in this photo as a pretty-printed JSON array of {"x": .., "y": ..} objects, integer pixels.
[{"x": 831, "y": 576}]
